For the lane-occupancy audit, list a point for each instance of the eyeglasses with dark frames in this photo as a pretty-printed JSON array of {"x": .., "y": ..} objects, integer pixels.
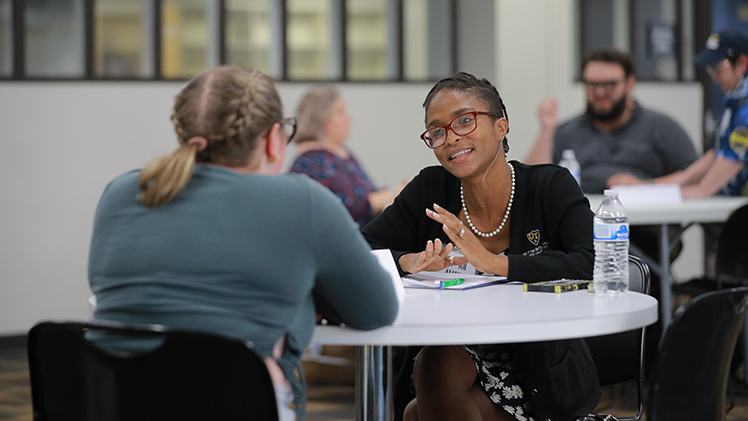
[
  {"x": 462, "y": 125},
  {"x": 606, "y": 85},
  {"x": 289, "y": 127}
]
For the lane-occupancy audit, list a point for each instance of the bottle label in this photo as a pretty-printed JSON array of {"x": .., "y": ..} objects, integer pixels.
[{"x": 611, "y": 232}]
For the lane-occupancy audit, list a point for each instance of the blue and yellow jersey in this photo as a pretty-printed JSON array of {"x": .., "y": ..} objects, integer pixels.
[{"x": 731, "y": 138}]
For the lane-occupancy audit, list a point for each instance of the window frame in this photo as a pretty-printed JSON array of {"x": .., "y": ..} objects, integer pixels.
[
  {"x": 633, "y": 33},
  {"x": 153, "y": 45}
]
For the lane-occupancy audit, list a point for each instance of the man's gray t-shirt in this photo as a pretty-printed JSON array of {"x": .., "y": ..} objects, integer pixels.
[{"x": 649, "y": 145}]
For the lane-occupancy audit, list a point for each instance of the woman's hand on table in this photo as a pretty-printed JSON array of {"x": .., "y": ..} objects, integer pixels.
[{"x": 468, "y": 243}]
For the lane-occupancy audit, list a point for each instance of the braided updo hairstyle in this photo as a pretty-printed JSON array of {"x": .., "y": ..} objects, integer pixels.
[
  {"x": 481, "y": 88},
  {"x": 230, "y": 107}
]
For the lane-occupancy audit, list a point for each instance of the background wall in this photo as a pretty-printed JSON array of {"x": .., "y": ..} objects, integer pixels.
[{"x": 63, "y": 142}]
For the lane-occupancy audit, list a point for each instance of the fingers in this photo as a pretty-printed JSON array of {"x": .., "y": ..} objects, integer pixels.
[
  {"x": 450, "y": 221},
  {"x": 431, "y": 253},
  {"x": 548, "y": 111},
  {"x": 434, "y": 257},
  {"x": 459, "y": 260},
  {"x": 455, "y": 234},
  {"x": 436, "y": 250},
  {"x": 429, "y": 249}
]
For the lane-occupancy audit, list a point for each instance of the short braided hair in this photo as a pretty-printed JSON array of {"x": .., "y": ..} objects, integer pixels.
[
  {"x": 229, "y": 106},
  {"x": 481, "y": 88}
]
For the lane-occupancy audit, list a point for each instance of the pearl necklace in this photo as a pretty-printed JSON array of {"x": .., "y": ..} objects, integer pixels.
[{"x": 503, "y": 221}]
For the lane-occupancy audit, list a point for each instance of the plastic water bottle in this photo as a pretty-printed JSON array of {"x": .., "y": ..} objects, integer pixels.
[
  {"x": 611, "y": 235},
  {"x": 569, "y": 161}
]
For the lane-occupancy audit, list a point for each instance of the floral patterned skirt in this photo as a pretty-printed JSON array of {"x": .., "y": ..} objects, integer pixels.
[{"x": 498, "y": 376}]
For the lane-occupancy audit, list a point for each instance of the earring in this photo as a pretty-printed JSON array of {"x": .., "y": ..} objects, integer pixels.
[{"x": 273, "y": 159}]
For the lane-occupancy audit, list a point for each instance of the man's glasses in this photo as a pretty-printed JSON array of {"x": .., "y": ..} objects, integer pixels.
[
  {"x": 462, "y": 125},
  {"x": 607, "y": 85},
  {"x": 289, "y": 127}
]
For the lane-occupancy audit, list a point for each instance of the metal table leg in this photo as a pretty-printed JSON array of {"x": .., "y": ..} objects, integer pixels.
[
  {"x": 362, "y": 381},
  {"x": 370, "y": 389},
  {"x": 665, "y": 291}
]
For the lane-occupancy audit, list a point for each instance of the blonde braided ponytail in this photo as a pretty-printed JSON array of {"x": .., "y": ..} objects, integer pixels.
[{"x": 229, "y": 107}]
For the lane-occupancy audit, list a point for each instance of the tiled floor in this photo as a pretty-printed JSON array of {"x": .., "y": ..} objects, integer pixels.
[
  {"x": 336, "y": 403},
  {"x": 327, "y": 402},
  {"x": 15, "y": 392}
]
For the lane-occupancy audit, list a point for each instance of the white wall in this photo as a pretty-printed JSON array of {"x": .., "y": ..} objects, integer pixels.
[{"x": 64, "y": 141}]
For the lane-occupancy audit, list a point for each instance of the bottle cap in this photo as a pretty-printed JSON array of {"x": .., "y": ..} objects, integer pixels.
[{"x": 610, "y": 192}]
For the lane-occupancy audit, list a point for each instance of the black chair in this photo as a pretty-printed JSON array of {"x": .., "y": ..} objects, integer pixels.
[
  {"x": 619, "y": 357},
  {"x": 689, "y": 378},
  {"x": 732, "y": 250},
  {"x": 188, "y": 376},
  {"x": 731, "y": 267}
]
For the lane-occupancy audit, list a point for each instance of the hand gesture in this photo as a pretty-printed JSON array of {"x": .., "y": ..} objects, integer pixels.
[
  {"x": 548, "y": 112},
  {"x": 467, "y": 242},
  {"x": 434, "y": 257}
]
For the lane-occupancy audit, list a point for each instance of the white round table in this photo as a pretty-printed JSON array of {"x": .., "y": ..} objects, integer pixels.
[
  {"x": 499, "y": 314},
  {"x": 493, "y": 314}
]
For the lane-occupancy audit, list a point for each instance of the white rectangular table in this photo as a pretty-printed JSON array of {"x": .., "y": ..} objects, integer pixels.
[
  {"x": 494, "y": 314},
  {"x": 687, "y": 213}
]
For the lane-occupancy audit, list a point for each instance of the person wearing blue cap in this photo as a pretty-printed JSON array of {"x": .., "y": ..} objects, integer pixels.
[{"x": 722, "y": 169}]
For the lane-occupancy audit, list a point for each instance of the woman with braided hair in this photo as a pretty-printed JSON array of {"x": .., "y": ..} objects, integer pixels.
[{"x": 202, "y": 239}]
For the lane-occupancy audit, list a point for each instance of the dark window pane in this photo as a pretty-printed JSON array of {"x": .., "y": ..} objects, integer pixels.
[
  {"x": 54, "y": 38},
  {"x": 654, "y": 43},
  {"x": 654, "y": 31},
  {"x": 597, "y": 21},
  {"x": 6, "y": 39}
]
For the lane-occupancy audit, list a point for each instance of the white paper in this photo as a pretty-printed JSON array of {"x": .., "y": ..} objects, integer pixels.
[
  {"x": 384, "y": 257},
  {"x": 649, "y": 194},
  {"x": 426, "y": 280}
]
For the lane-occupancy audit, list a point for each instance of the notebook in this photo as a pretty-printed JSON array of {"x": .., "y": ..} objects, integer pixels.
[{"x": 466, "y": 281}]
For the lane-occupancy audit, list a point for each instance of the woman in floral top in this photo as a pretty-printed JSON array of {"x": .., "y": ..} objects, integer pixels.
[{"x": 324, "y": 125}]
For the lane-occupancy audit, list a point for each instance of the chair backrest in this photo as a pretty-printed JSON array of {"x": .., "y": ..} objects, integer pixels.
[
  {"x": 188, "y": 376},
  {"x": 732, "y": 248},
  {"x": 689, "y": 377},
  {"x": 619, "y": 357}
]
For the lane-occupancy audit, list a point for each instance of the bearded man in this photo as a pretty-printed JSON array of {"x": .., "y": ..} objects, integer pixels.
[{"x": 615, "y": 134}]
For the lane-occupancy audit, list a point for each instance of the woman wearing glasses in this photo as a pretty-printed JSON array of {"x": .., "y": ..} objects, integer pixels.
[
  {"x": 481, "y": 214},
  {"x": 324, "y": 126},
  {"x": 202, "y": 239}
]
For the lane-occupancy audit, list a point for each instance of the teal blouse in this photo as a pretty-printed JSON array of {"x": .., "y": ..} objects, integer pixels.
[{"x": 245, "y": 255}]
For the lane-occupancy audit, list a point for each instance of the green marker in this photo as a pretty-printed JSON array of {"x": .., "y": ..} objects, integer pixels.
[{"x": 453, "y": 282}]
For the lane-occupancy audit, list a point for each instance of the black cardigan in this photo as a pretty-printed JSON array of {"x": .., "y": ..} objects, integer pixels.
[
  {"x": 550, "y": 238},
  {"x": 547, "y": 202}
]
